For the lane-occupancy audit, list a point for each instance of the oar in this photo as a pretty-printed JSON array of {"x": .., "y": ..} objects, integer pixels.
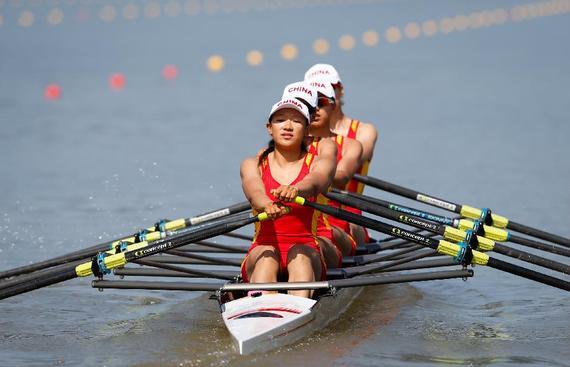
[
  {"x": 449, "y": 233},
  {"x": 283, "y": 286},
  {"x": 462, "y": 252},
  {"x": 466, "y": 211},
  {"x": 149, "y": 234},
  {"x": 335, "y": 273},
  {"x": 185, "y": 270},
  {"x": 103, "y": 263},
  {"x": 47, "y": 271},
  {"x": 490, "y": 232}
]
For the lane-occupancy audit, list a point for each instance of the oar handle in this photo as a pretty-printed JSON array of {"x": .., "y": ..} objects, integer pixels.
[{"x": 232, "y": 209}]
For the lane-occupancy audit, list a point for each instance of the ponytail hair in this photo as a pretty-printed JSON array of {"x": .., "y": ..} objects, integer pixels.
[{"x": 269, "y": 149}]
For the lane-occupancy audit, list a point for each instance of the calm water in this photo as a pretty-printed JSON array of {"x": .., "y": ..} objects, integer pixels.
[{"x": 477, "y": 116}]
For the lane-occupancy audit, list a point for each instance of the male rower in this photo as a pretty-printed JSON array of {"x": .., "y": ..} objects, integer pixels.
[{"x": 346, "y": 126}]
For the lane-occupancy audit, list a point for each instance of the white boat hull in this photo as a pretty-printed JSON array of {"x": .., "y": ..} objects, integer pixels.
[{"x": 259, "y": 324}]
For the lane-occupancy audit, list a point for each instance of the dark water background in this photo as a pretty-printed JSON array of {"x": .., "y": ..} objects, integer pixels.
[{"x": 479, "y": 116}]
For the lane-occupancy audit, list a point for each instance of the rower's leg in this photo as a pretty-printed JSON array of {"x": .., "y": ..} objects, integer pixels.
[
  {"x": 262, "y": 265},
  {"x": 358, "y": 234},
  {"x": 330, "y": 252},
  {"x": 303, "y": 265},
  {"x": 344, "y": 241}
]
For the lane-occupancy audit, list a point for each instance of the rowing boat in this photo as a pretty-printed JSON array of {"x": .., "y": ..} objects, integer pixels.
[{"x": 268, "y": 321}]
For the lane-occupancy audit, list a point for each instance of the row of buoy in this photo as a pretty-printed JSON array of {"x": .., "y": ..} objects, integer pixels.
[
  {"x": 370, "y": 38},
  {"x": 154, "y": 9},
  {"x": 130, "y": 12}
]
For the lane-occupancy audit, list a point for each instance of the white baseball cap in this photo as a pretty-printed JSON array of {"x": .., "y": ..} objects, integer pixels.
[
  {"x": 323, "y": 72},
  {"x": 290, "y": 102},
  {"x": 302, "y": 90},
  {"x": 322, "y": 86}
]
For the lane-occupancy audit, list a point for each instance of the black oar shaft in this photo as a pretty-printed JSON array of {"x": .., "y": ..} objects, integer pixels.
[
  {"x": 45, "y": 272},
  {"x": 540, "y": 245},
  {"x": 63, "y": 259},
  {"x": 181, "y": 269},
  {"x": 440, "y": 229},
  {"x": 341, "y": 283},
  {"x": 239, "y": 236},
  {"x": 457, "y": 208},
  {"x": 160, "y": 286},
  {"x": 399, "y": 208},
  {"x": 529, "y": 274},
  {"x": 91, "y": 251},
  {"x": 113, "y": 261},
  {"x": 171, "y": 259},
  {"x": 384, "y": 266},
  {"x": 35, "y": 283},
  {"x": 151, "y": 272},
  {"x": 431, "y": 243},
  {"x": 508, "y": 236},
  {"x": 539, "y": 233},
  {"x": 208, "y": 259},
  {"x": 531, "y": 258},
  {"x": 408, "y": 193},
  {"x": 227, "y": 248}
]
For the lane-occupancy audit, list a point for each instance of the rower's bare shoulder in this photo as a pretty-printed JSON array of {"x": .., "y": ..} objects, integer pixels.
[
  {"x": 353, "y": 145},
  {"x": 249, "y": 165},
  {"x": 367, "y": 132},
  {"x": 327, "y": 146}
]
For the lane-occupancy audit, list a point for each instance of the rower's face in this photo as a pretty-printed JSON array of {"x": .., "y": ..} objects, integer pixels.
[
  {"x": 287, "y": 127},
  {"x": 325, "y": 108},
  {"x": 338, "y": 94}
]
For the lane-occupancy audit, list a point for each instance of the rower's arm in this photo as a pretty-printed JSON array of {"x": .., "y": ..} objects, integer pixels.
[
  {"x": 252, "y": 184},
  {"x": 349, "y": 163},
  {"x": 322, "y": 171},
  {"x": 367, "y": 136}
]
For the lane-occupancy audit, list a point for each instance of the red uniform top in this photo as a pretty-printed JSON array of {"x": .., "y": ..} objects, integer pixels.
[
  {"x": 324, "y": 228},
  {"x": 326, "y": 221},
  {"x": 299, "y": 227},
  {"x": 353, "y": 185}
]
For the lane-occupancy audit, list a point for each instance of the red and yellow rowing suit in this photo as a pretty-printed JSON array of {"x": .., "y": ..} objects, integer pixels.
[
  {"x": 299, "y": 227},
  {"x": 353, "y": 185},
  {"x": 324, "y": 228},
  {"x": 326, "y": 221}
]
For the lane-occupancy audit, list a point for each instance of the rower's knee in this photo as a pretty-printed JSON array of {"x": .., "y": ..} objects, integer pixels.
[
  {"x": 344, "y": 241},
  {"x": 263, "y": 265},
  {"x": 358, "y": 234},
  {"x": 303, "y": 264},
  {"x": 329, "y": 252}
]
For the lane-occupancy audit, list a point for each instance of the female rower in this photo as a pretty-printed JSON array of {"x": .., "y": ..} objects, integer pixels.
[
  {"x": 343, "y": 125},
  {"x": 328, "y": 240},
  {"x": 348, "y": 157},
  {"x": 285, "y": 247}
]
